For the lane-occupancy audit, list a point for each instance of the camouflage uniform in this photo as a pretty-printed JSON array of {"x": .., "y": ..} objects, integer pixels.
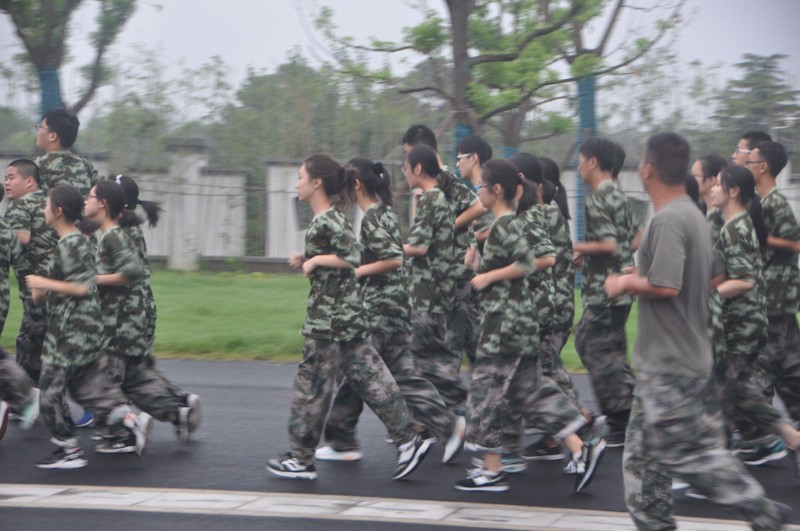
[
  {"x": 463, "y": 322},
  {"x": 779, "y": 361},
  {"x": 744, "y": 322},
  {"x": 506, "y": 379},
  {"x": 715, "y": 221},
  {"x": 387, "y": 310},
  {"x": 600, "y": 337},
  {"x": 72, "y": 357},
  {"x": 125, "y": 331},
  {"x": 6, "y": 245},
  {"x": 135, "y": 234},
  {"x": 65, "y": 167},
  {"x": 336, "y": 335},
  {"x": 432, "y": 295},
  {"x": 15, "y": 385},
  {"x": 26, "y": 214}
]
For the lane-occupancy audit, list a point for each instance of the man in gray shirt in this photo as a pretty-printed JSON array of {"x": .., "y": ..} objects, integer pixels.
[{"x": 676, "y": 425}]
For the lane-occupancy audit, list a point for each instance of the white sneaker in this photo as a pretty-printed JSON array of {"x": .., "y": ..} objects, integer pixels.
[
  {"x": 456, "y": 441},
  {"x": 410, "y": 455},
  {"x": 326, "y": 453},
  {"x": 679, "y": 484},
  {"x": 30, "y": 412}
]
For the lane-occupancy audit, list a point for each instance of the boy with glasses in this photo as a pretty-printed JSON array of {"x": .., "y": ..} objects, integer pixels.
[{"x": 56, "y": 134}]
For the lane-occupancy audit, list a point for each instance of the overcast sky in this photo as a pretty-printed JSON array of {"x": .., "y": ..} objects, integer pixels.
[{"x": 258, "y": 33}]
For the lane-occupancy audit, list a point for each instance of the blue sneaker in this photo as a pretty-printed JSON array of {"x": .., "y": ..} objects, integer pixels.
[
  {"x": 85, "y": 421},
  {"x": 764, "y": 453}
]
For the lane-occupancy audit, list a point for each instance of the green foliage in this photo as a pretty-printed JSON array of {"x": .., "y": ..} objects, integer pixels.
[
  {"x": 585, "y": 65},
  {"x": 428, "y": 36}
]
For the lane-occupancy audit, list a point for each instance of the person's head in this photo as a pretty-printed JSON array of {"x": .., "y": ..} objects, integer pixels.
[
  {"x": 736, "y": 184},
  {"x": 22, "y": 177},
  {"x": 767, "y": 158},
  {"x": 106, "y": 201},
  {"x": 64, "y": 202},
  {"x": 596, "y": 155},
  {"x": 129, "y": 217},
  {"x": 619, "y": 159},
  {"x": 422, "y": 164},
  {"x": 499, "y": 182},
  {"x": 371, "y": 178},
  {"x": 693, "y": 191},
  {"x": 58, "y": 129},
  {"x": 530, "y": 168},
  {"x": 705, "y": 171},
  {"x": 552, "y": 174},
  {"x": 419, "y": 135},
  {"x": 473, "y": 152},
  {"x": 321, "y": 173},
  {"x": 747, "y": 142},
  {"x": 665, "y": 158}
]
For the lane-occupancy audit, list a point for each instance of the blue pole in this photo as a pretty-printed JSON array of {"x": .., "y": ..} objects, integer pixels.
[
  {"x": 50, "y": 89},
  {"x": 587, "y": 129}
]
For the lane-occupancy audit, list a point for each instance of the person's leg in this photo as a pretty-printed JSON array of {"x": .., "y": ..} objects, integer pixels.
[
  {"x": 340, "y": 426},
  {"x": 787, "y": 381},
  {"x": 463, "y": 321}
]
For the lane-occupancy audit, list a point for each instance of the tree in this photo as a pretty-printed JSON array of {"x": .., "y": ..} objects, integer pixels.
[{"x": 43, "y": 28}]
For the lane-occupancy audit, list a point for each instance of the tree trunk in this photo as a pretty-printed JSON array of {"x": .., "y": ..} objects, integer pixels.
[{"x": 459, "y": 16}]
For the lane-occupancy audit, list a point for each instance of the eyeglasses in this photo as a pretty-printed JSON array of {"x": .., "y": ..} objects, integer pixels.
[
  {"x": 746, "y": 151},
  {"x": 463, "y": 156},
  {"x": 90, "y": 195},
  {"x": 40, "y": 126},
  {"x": 749, "y": 162},
  {"x": 479, "y": 186}
]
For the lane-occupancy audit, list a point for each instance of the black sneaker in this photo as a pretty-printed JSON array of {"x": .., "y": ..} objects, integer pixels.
[
  {"x": 764, "y": 453},
  {"x": 586, "y": 466},
  {"x": 410, "y": 455},
  {"x": 288, "y": 466},
  {"x": 3, "y": 418},
  {"x": 480, "y": 480},
  {"x": 118, "y": 445},
  {"x": 539, "y": 451},
  {"x": 64, "y": 458}
]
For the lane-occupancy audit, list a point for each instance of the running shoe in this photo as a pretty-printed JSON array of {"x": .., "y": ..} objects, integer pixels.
[
  {"x": 288, "y": 466},
  {"x": 679, "y": 484},
  {"x": 3, "y": 418},
  {"x": 119, "y": 445},
  {"x": 85, "y": 421},
  {"x": 410, "y": 455},
  {"x": 539, "y": 451},
  {"x": 327, "y": 453},
  {"x": 64, "y": 458},
  {"x": 509, "y": 463},
  {"x": 456, "y": 441},
  {"x": 586, "y": 465},
  {"x": 480, "y": 480},
  {"x": 30, "y": 412},
  {"x": 141, "y": 425},
  {"x": 196, "y": 418},
  {"x": 764, "y": 453},
  {"x": 695, "y": 494}
]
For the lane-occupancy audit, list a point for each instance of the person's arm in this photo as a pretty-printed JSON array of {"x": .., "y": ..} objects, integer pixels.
[
  {"x": 734, "y": 287},
  {"x": 510, "y": 272},
  {"x": 594, "y": 247},
  {"x": 480, "y": 236},
  {"x": 113, "y": 279},
  {"x": 783, "y": 244},
  {"x": 545, "y": 262},
  {"x": 470, "y": 215},
  {"x": 324, "y": 260},
  {"x": 74, "y": 289},
  {"x": 410, "y": 250},
  {"x": 23, "y": 237},
  {"x": 637, "y": 239},
  {"x": 379, "y": 267},
  {"x": 636, "y": 284}
]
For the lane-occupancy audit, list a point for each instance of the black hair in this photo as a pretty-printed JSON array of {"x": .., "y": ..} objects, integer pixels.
[
  {"x": 69, "y": 200},
  {"x": 668, "y": 153},
  {"x": 774, "y": 154},
  {"x": 113, "y": 195},
  {"x": 129, "y": 217},
  {"x": 754, "y": 138},
  {"x": 335, "y": 180},
  {"x": 373, "y": 176},
  {"x": 64, "y": 124},
  {"x": 693, "y": 191},
  {"x": 742, "y": 178},
  {"x": 420, "y": 135},
  {"x": 711, "y": 165},
  {"x": 531, "y": 168},
  {"x": 27, "y": 168},
  {"x": 552, "y": 174},
  {"x": 619, "y": 159},
  {"x": 602, "y": 149},
  {"x": 529, "y": 197},
  {"x": 478, "y": 145},
  {"x": 427, "y": 158},
  {"x": 505, "y": 174}
]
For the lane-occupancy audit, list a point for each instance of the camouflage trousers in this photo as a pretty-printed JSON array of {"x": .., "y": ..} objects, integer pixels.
[
  {"x": 30, "y": 339},
  {"x": 427, "y": 408},
  {"x": 676, "y": 429},
  {"x": 779, "y": 362},
  {"x": 603, "y": 350},
  {"x": 434, "y": 360},
  {"x": 550, "y": 347},
  {"x": 313, "y": 387},
  {"x": 503, "y": 390},
  {"x": 15, "y": 385},
  {"x": 117, "y": 370},
  {"x": 90, "y": 387},
  {"x": 464, "y": 321}
]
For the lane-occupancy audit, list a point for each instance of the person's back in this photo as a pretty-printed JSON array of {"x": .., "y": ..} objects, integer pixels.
[{"x": 56, "y": 134}]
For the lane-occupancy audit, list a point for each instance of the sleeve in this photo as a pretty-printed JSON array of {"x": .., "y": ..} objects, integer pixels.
[
  {"x": 379, "y": 238},
  {"x": 6, "y": 241},
  {"x": 465, "y": 197},
  {"x": 668, "y": 247},
  {"x": 782, "y": 222},
  {"x": 344, "y": 243},
  {"x": 18, "y": 218},
  {"x": 421, "y": 233},
  {"x": 124, "y": 258},
  {"x": 600, "y": 216},
  {"x": 75, "y": 266},
  {"x": 521, "y": 253},
  {"x": 739, "y": 254}
]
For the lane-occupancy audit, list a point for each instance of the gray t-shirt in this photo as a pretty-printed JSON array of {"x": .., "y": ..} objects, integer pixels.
[{"x": 676, "y": 252}]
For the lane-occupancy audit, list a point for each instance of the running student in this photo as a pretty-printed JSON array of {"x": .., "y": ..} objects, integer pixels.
[
  {"x": 336, "y": 333},
  {"x": 73, "y": 358},
  {"x": 55, "y": 134},
  {"x": 507, "y": 380},
  {"x": 430, "y": 245},
  {"x": 119, "y": 274},
  {"x": 383, "y": 289}
]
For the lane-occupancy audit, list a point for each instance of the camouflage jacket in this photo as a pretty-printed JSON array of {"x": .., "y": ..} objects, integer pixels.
[
  {"x": 385, "y": 297},
  {"x": 540, "y": 282},
  {"x": 135, "y": 234},
  {"x": 433, "y": 274},
  {"x": 125, "y": 323},
  {"x": 509, "y": 325},
  {"x": 74, "y": 330},
  {"x": 715, "y": 223},
  {"x": 609, "y": 216},
  {"x": 335, "y": 312},
  {"x": 563, "y": 270},
  {"x": 6, "y": 243},
  {"x": 781, "y": 274},
  {"x": 463, "y": 198},
  {"x": 65, "y": 167}
]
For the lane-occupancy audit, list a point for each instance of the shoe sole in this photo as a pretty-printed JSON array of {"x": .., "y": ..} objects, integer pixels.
[
  {"x": 456, "y": 441},
  {"x": 196, "y": 412},
  {"x": 3, "y": 419},
  {"x": 415, "y": 462},
  {"x": 183, "y": 425},
  {"x": 767, "y": 458},
  {"x": 616, "y": 444},
  {"x": 487, "y": 488},
  {"x": 508, "y": 469},
  {"x": 292, "y": 475},
  {"x": 553, "y": 457},
  {"x": 143, "y": 434},
  {"x": 589, "y": 474},
  {"x": 125, "y": 450},
  {"x": 68, "y": 465},
  {"x": 339, "y": 456},
  {"x": 695, "y": 495}
]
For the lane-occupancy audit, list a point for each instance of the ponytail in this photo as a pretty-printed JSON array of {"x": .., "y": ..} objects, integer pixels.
[
  {"x": 741, "y": 178},
  {"x": 756, "y": 216},
  {"x": 373, "y": 176},
  {"x": 429, "y": 160},
  {"x": 552, "y": 174}
]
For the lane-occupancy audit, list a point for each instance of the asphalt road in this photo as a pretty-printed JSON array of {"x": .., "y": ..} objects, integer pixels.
[{"x": 246, "y": 408}]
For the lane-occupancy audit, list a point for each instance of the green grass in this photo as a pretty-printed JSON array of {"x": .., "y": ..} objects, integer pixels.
[{"x": 239, "y": 317}]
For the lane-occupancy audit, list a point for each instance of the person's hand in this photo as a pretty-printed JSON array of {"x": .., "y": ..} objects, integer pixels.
[
  {"x": 296, "y": 261},
  {"x": 481, "y": 282},
  {"x": 472, "y": 258},
  {"x": 35, "y": 281},
  {"x": 577, "y": 258},
  {"x": 614, "y": 285},
  {"x": 309, "y": 266}
]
